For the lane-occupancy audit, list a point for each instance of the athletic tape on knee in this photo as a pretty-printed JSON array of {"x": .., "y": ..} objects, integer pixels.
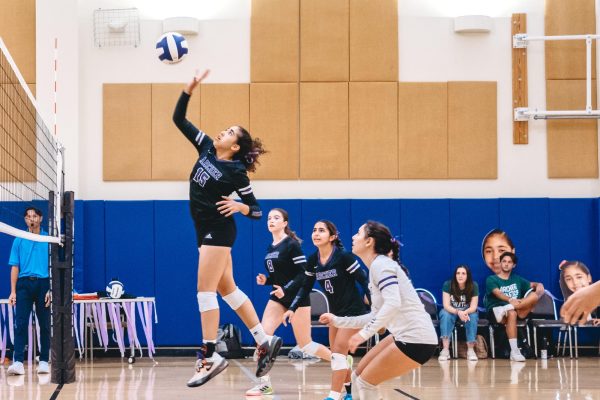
[
  {"x": 311, "y": 349},
  {"x": 207, "y": 301},
  {"x": 235, "y": 299},
  {"x": 338, "y": 362}
]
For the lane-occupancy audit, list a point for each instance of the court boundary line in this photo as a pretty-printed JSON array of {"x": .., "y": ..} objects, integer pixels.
[
  {"x": 56, "y": 392},
  {"x": 406, "y": 394}
]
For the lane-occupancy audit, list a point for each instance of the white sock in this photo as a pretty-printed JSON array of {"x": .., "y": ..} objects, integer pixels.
[
  {"x": 334, "y": 395},
  {"x": 265, "y": 379},
  {"x": 258, "y": 332},
  {"x": 513, "y": 345}
]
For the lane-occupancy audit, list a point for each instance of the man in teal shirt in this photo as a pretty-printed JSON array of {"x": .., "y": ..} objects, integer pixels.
[{"x": 29, "y": 284}]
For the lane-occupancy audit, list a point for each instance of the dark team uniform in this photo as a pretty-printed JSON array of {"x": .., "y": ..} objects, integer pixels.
[
  {"x": 286, "y": 265},
  {"x": 338, "y": 279},
  {"x": 211, "y": 179}
]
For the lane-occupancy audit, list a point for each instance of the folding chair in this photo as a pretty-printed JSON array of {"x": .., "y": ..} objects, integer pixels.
[
  {"x": 481, "y": 323},
  {"x": 544, "y": 315},
  {"x": 318, "y": 305}
]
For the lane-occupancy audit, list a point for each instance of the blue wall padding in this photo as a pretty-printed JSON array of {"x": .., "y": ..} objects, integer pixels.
[
  {"x": 79, "y": 256},
  {"x": 130, "y": 245},
  {"x": 151, "y": 247},
  {"x": 425, "y": 237},
  {"x": 176, "y": 271},
  {"x": 573, "y": 235},
  {"x": 94, "y": 246},
  {"x": 534, "y": 263}
]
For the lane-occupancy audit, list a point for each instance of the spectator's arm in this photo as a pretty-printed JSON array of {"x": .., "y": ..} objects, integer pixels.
[{"x": 446, "y": 303}]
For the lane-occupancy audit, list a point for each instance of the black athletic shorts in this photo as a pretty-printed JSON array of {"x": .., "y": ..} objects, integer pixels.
[
  {"x": 418, "y": 352},
  {"x": 215, "y": 233},
  {"x": 286, "y": 302}
]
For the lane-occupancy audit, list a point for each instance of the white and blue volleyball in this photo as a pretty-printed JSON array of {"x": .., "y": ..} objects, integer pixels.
[
  {"x": 115, "y": 289},
  {"x": 171, "y": 47}
]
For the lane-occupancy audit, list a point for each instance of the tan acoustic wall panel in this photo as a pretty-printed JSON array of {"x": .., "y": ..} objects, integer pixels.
[
  {"x": 275, "y": 41},
  {"x": 374, "y": 40},
  {"x": 324, "y": 130},
  {"x": 324, "y": 40},
  {"x": 127, "y": 154},
  {"x": 572, "y": 143},
  {"x": 274, "y": 119},
  {"x": 172, "y": 154},
  {"x": 17, "y": 30},
  {"x": 472, "y": 130},
  {"x": 373, "y": 130},
  {"x": 224, "y": 105},
  {"x": 566, "y": 59},
  {"x": 423, "y": 130}
]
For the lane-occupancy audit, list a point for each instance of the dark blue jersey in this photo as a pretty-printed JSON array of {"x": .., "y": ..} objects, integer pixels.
[
  {"x": 212, "y": 178},
  {"x": 286, "y": 266},
  {"x": 338, "y": 277}
]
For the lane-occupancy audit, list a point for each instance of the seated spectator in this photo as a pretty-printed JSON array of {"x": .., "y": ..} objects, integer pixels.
[
  {"x": 460, "y": 297},
  {"x": 574, "y": 276},
  {"x": 505, "y": 297}
]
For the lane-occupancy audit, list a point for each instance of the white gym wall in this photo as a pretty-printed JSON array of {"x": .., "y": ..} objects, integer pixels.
[{"x": 429, "y": 51}]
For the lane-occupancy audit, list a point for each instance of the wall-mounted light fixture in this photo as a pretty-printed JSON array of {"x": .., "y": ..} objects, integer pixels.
[
  {"x": 183, "y": 25},
  {"x": 472, "y": 24}
]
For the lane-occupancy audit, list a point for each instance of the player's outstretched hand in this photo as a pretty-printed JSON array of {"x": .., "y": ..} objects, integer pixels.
[
  {"x": 198, "y": 77},
  {"x": 580, "y": 304}
]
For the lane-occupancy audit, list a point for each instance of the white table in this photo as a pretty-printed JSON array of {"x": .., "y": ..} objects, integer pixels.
[{"x": 93, "y": 317}]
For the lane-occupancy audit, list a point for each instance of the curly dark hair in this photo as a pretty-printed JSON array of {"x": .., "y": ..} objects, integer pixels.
[{"x": 250, "y": 149}]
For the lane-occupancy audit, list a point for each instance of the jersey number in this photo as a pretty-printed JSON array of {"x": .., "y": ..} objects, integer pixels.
[
  {"x": 201, "y": 176},
  {"x": 328, "y": 286},
  {"x": 270, "y": 266}
]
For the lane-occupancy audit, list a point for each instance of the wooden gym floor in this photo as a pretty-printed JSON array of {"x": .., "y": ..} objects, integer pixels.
[{"x": 560, "y": 378}]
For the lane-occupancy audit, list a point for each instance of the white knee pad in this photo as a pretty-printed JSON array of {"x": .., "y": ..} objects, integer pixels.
[
  {"x": 338, "y": 362},
  {"x": 311, "y": 349},
  {"x": 207, "y": 301},
  {"x": 235, "y": 299},
  {"x": 353, "y": 378},
  {"x": 366, "y": 391}
]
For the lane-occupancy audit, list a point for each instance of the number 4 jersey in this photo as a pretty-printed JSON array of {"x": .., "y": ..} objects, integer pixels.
[{"x": 338, "y": 277}]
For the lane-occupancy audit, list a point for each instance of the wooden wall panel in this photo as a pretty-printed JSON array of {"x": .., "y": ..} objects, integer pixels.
[
  {"x": 472, "y": 130},
  {"x": 127, "y": 132},
  {"x": 423, "y": 130},
  {"x": 224, "y": 105},
  {"x": 324, "y": 130},
  {"x": 373, "y": 130},
  {"x": 274, "y": 119},
  {"x": 519, "y": 80},
  {"x": 566, "y": 59},
  {"x": 572, "y": 143},
  {"x": 172, "y": 154},
  {"x": 17, "y": 30},
  {"x": 374, "y": 40},
  {"x": 324, "y": 40},
  {"x": 275, "y": 41}
]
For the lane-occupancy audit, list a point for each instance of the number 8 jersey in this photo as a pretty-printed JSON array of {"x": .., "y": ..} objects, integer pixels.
[{"x": 337, "y": 277}]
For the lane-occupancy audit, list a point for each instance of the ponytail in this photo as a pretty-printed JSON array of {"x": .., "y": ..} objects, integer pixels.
[
  {"x": 385, "y": 243},
  {"x": 250, "y": 150}
]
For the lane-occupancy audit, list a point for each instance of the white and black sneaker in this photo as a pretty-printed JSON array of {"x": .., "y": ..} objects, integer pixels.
[
  {"x": 267, "y": 353},
  {"x": 263, "y": 388},
  {"x": 207, "y": 368}
]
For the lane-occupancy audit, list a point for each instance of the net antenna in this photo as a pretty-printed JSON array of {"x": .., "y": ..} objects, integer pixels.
[
  {"x": 31, "y": 159},
  {"x": 521, "y": 41}
]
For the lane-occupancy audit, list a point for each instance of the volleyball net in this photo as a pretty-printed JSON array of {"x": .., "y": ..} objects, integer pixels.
[
  {"x": 31, "y": 170},
  {"x": 31, "y": 177}
]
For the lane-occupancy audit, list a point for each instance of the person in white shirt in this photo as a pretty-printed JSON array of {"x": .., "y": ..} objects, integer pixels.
[{"x": 395, "y": 306}]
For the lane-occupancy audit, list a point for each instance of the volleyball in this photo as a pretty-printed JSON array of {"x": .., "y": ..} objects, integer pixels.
[
  {"x": 115, "y": 289},
  {"x": 171, "y": 48}
]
